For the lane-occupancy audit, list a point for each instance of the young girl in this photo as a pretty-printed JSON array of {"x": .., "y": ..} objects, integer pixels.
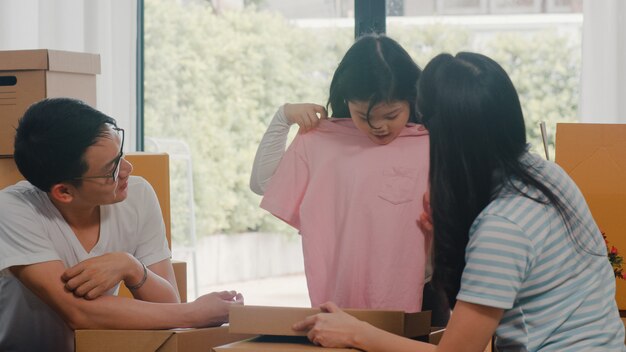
[
  {"x": 352, "y": 185},
  {"x": 515, "y": 247}
]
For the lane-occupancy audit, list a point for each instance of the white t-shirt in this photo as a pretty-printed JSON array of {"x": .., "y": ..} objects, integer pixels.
[{"x": 32, "y": 231}]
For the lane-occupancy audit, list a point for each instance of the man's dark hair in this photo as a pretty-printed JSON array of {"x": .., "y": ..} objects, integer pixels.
[{"x": 52, "y": 137}]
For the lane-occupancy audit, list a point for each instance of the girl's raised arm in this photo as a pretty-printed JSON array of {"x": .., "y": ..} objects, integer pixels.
[{"x": 274, "y": 141}]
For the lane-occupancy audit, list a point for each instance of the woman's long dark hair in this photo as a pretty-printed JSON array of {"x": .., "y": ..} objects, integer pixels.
[
  {"x": 477, "y": 136},
  {"x": 376, "y": 69}
]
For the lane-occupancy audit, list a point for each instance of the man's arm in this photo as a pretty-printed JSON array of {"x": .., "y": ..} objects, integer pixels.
[
  {"x": 160, "y": 286},
  {"x": 91, "y": 278},
  {"x": 112, "y": 312}
]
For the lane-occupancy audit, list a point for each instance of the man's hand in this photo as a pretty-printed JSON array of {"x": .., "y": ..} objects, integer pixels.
[
  {"x": 91, "y": 278},
  {"x": 213, "y": 308},
  {"x": 307, "y": 116}
]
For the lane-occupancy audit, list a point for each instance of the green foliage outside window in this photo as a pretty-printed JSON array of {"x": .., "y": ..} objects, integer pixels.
[{"x": 215, "y": 82}]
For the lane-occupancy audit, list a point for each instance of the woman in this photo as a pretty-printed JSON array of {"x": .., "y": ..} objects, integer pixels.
[{"x": 516, "y": 250}]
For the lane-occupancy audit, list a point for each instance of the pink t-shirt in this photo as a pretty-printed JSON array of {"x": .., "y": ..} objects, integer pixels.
[{"x": 356, "y": 205}]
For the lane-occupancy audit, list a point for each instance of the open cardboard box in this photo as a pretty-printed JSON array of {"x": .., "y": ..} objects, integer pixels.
[
  {"x": 299, "y": 344},
  {"x": 264, "y": 320},
  {"x": 435, "y": 335},
  {"x": 184, "y": 340},
  {"x": 594, "y": 155},
  {"x": 275, "y": 324},
  {"x": 27, "y": 76},
  {"x": 277, "y": 343}
]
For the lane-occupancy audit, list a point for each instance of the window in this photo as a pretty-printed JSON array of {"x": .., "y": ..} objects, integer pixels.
[
  {"x": 462, "y": 7},
  {"x": 216, "y": 71}
]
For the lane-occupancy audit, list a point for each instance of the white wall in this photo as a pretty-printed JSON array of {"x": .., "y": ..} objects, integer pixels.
[
  {"x": 603, "y": 97},
  {"x": 105, "y": 27}
]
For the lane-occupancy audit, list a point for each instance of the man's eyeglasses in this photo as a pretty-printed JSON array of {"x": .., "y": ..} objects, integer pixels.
[{"x": 116, "y": 170}]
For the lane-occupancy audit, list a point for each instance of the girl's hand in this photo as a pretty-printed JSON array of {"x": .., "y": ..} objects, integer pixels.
[
  {"x": 332, "y": 328},
  {"x": 307, "y": 116},
  {"x": 425, "y": 221}
]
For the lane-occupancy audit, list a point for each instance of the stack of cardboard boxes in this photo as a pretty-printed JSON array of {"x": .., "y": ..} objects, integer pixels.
[{"x": 27, "y": 76}]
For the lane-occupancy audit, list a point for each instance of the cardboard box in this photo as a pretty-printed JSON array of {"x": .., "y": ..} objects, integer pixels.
[
  {"x": 9, "y": 174},
  {"x": 436, "y": 333},
  {"x": 299, "y": 343},
  {"x": 277, "y": 343},
  {"x": 594, "y": 155},
  {"x": 302, "y": 344},
  {"x": 184, "y": 340},
  {"x": 262, "y": 320},
  {"x": 155, "y": 168},
  {"x": 27, "y": 76}
]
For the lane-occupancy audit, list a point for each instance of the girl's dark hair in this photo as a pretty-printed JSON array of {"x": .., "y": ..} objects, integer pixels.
[
  {"x": 375, "y": 69},
  {"x": 52, "y": 137},
  {"x": 477, "y": 136}
]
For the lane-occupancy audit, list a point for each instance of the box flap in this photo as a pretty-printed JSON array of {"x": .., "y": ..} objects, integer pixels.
[
  {"x": 66, "y": 61},
  {"x": 417, "y": 324},
  {"x": 436, "y": 333},
  {"x": 267, "y": 320},
  {"x": 121, "y": 340},
  {"x": 52, "y": 60},
  {"x": 15, "y": 60},
  {"x": 9, "y": 174},
  {"x": 183, "y": 340}
]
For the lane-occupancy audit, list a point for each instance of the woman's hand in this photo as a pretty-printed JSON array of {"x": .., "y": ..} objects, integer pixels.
[
  {"x": 307, "y": 116},
  {"x": 332, "y": 328}
]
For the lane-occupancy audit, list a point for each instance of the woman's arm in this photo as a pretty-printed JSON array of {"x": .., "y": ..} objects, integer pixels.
[
  {"x": 470, "y": 330},
  {"x": 274, "y": 141}
]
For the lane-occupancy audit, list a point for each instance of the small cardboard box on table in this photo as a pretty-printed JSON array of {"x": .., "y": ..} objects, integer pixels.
[
  {"x": 274, "y": 323},
  {"x": 594, "y": 156},
  {"x": 27, "y": 76},
  {"x": 176, "y": 340}
]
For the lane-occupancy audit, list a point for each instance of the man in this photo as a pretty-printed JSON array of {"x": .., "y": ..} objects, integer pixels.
[{"x": 78, "y": 226}]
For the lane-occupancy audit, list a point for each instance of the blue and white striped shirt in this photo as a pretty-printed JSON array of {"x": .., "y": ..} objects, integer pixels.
[{"x": 556, "y": 296}]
